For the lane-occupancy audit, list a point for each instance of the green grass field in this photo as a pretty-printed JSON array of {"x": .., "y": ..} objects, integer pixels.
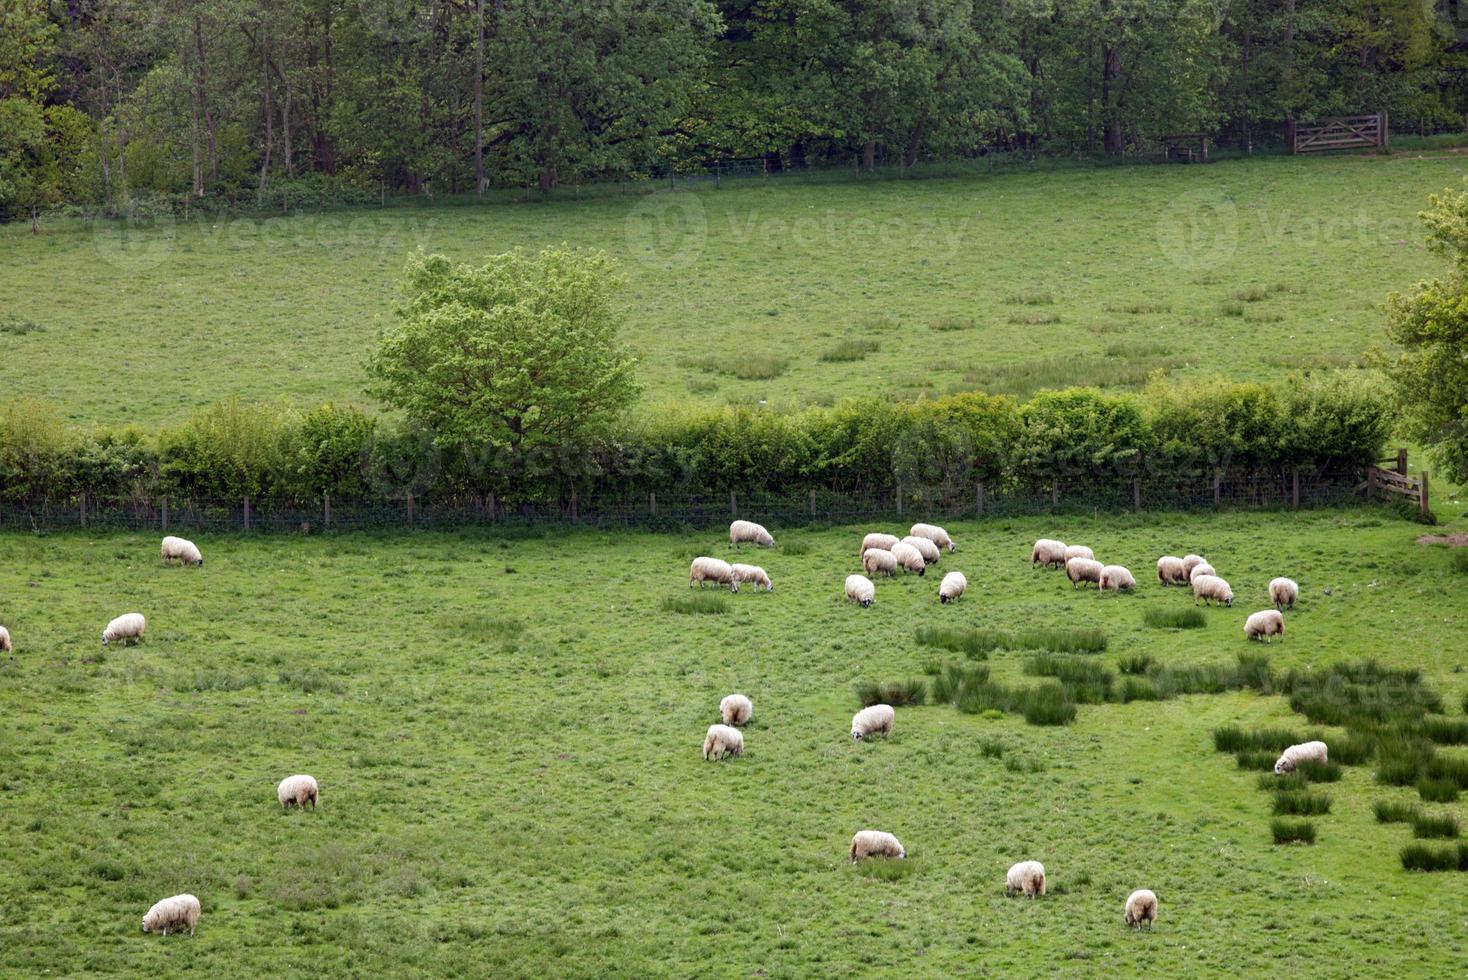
[
  {"x": 507, "y": 731},
  {"x": 790, "y": 291}
]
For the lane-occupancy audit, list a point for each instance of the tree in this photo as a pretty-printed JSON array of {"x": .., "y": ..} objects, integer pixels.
[
  {"x": 1431, "y": 325},
  {"x": 509, "y": 359}
]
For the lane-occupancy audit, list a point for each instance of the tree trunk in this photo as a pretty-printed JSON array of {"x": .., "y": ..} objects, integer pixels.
[
  {"x": 869, "y": 154},
  {"x": 479, "y": 102},
  {"x": 269, "y": 125},
  {"x": 288, "y": 152},
  {"x": 915, "y": 141},
  {"x": 1110, "y": 72},
  {"x": 201, "y": 82}
]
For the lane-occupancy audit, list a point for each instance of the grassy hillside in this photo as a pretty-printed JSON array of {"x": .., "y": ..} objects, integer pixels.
[
  {"x": 787, "y": 290},
  {"x": 506, "y": 731}
]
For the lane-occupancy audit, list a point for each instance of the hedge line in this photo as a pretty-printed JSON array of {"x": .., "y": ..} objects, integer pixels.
[{"x": 233, "y": 449}]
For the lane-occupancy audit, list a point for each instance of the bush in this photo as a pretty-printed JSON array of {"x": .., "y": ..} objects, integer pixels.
[
  {"x": 34, "y": 451},
  {"x": 1292, "y": 831},
  {"x": 1175, "y": 619},
  {"x": 1300, "y": 803},
  {"x": 1388, "y": 811},
  {"x": 333, "y": 451},
  {"x": 895, "y": 693},
  {"x": 704, "y": 603},
  {"x": 1137, "y": 663},
  {"x": 231, "y": 450},
  {"x": 1424, "y": 825}
]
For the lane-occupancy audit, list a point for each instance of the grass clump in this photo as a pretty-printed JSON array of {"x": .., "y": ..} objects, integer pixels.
[
  {"x": 1400, "y": 762},
  {"x": 311, "y": 681},
  {"x": 1460, "y": 565},
  {"x": 1137, "y": 309},
  {"x": 746, "y": 366},
  {"x": 1292, "y": 831},
  {"x": 1426, "y": 857},
  {"x": 1446, "y": 731},
  {"x": 215, "y": 679},
  {"x": 1302, "y": 803},
  {"x": 1086, "y": 681},
  {"x": 794, "y": 546},
  {"x": 974, "y": 643},
  {"x": 1034, "y": 297},
  {"x": 1231, "y": 738},
  {"x": 19, "y": 328},
  {"x": 1175, "y": 619},
  {"x": 953, "y": 679},
  {"x": 913, "y": 691},
  {"x": 1137, "y": 689},
  {"x": 1319, "y": 772},
  {"x": 950, "y": 324},
  {"x": 977, "y": 643},
  {"x": 1437, "y": 790},
  {"x": 1426, "y": 825},
  {"x": 1394, "y": 811},
  {"x": 698, "y": 603},
  {"x": 1138, "y": 663},
  {"x": 1361, "y": 695},
  {"x": 1257, "y": 760},
  {"x": 850, "y": 349},
  {"x": 1061, "y": 640},
  {"x": 1452, "y": 769},
  {"x": 1048, "y": 704}
]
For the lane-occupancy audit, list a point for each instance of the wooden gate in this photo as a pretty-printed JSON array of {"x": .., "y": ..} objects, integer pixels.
[
  {"x": 1339, "y": 133},
  {"x": 1385, "y": 484}
]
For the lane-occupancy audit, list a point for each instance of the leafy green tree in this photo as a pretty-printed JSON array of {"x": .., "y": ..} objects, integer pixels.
[{"x": 507, "y": 360}]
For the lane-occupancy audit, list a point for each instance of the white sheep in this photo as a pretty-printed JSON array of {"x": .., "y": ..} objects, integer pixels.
[
  {"x": 1188, "y": 562},
  {"x": 871, "y": 720},
  {"x": 742, "y": 531},
  {"x": 5, "y": 645},
  {"x": 1211, "y": 588},
  {"x": 1170, "y": 571},
  {"x": 184, "y": 550},
  {"x": 736, "y": 709},
  {"x": 1027, "y": 877},
  {"x": 1202, "y": 568},
  {"x": 877, "y": 560},
  {"x": 933, "y": 533},
  {"x": 1080, "y": 570},
  {"x": 128, "y": 626},
  {"x": 860, "y": 590},
  {"x": 1141, "y": 906},
  {"x": 875, "y": 843},
  {"x": 1116, "y": 578},
  {"x": 173, "y": 913},
  {"x": 721, "y": 742},
  {"x": 909, "y": 558},
  {"x": 1283, "y": 592},
  {"x": 1048, "y": 552},
  {"x": 706, "y": 569},
  {"x": 1291, "y": 757},
  {"x": 952, "y": 586},
  {"x": 924, "y": 547},
  {"x": 298, "y": 791},
  {"x": 878, "y": 540},
  {"x": 752, "y": 573},
  {"x": 1078, "y": 551},
  {"x": 1264, "y": 624}
]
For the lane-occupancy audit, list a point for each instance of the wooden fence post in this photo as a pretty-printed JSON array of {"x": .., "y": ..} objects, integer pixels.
[
  {"x": 410, "y": 508},
  {"x": 979, "y": 497},
  {"x": 165, "y": 513},
  {"x": 1422, "y": 500},
  {"x": 326, "y": 509},
  {"x": 1217, "y": 489},
  {"x": 1295, "y": 489},
  {"x": 1402, "y": 461},
  {"x": 247, "y": 513}
]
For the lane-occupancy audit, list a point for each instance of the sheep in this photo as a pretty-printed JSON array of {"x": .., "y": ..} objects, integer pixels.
[
  {"x": 1117, "y": 579},
  {"x": 1291, "y": 758},
  {"x": 298, "y": 791},
  {"x": 877, "y": 540},
  {"x": 875, "y": 843},
  {"x": 1080, "y": 570},
  {"x": 860, "y": 590},
  {"x": 909, "y": 558},
  {"x": 706, "y": 569},
  {"x": 1188, "y": 562},
  {"x": 952, "y": 586},
  {"x": 736, "y": 709},
  {"x": 721, "y": 742},
  {"x": 1170, "y": 571},
  {"x": 128, "y": 626},
  {"x": 868, "y": 721},
  {"x": 877, "y": 560},
  {"x": 173, "y": 913},
  {"x": 1027, "y": 877},
  {"x": 184, "y": 550},
  {"x": 1078, "y": 551},
  {"x": 752, "y": 573},
  {"x": 1211, "y": 588},
  {"x": 1264, "y": 624},
  {"x": 924, "y": 547},
  {"x": 5, "y": 645},
  {"x": 1141, "y": 906},
  {"x": 1283, "y": 592},
  {"x": 741, "y": 531},
  {"x": 1202, "y": 568},
  {"x": 933, "y": 533},
  {"x": 1048, "y": 552}
]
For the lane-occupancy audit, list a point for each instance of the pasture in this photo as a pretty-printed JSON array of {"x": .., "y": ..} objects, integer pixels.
[
  {"x": 788, "y": 291},
  {"x": 506, "y": 730}
]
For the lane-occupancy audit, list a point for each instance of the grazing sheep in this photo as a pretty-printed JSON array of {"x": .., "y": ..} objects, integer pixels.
[
  {"x": 736, "y": 709},
  {"x": 1188, "y": 562},
  {"x": 1080, "y": 570},
  {"x": 933, "y": 533},
  {"x": 1291, "y": 758},
  {"x": 878, "y": 540},
  {"x": 924, "y": 547},
  {"x": 952, "y": 586},
  {"x": 860, "y": 590},
  {"x": 184, "y": 550},
  {"x": 868, "y": 721},
  {"x": 298, "y": 791},
  {"x": 1141, "y": 906},
  {"x": 173, "y": 913},
  {"x": 128, "y": 626},
  {"x": 877, "y": 560},
  {"x": 5, "y": 645},
  {"x": 721, "y": 742},
  {"x": 706, "y": 569},
  {"x": 1078, "y": 551},
  {"x": 752, "y": 573},
  {"x": 742, "y": 531},
  {"x": 1264, "y": 624},
  {"x": 875, "y": 843},
  {"x": 1170, "y": 571},
  {"x": 1048, "y": 552},
  {"x": 1283, "y": 592},
  {"x": 1202, "y": 568},
  {"x": 1117, "y": 579},
  {"x": 1027, "y": 877},
  {"x": 909, "y": 558},
  {"x": 1211, "y": 588}
]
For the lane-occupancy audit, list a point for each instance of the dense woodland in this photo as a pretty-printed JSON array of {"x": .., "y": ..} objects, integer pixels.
[{"x": 118, "y": 104}]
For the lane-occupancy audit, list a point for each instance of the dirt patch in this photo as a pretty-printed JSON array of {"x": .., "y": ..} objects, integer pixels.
[{"x": 1451, "y": 540}]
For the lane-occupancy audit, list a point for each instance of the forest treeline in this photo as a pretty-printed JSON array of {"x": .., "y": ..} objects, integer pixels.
[{"x": 112, "y": 104}]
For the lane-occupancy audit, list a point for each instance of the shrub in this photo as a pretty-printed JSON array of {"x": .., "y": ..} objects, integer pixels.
[
  {"x": 1138, "y": 663},
  {"x": 232, "y": 449},
  {"x": 698, "y": 603},
  {"x": 1300, "y": 803},
  {"x": 1175, "y": 619},
  {"x": 1292, "y": 831},
  {"x": 34, "y": 450},
  {"x": 332, "y": 452},
  {"x": 1426, "y": 857},
  {"x": 895, "y": 693},
  {"x": 1424, "y": 825},
  {"x": 1391, "y": 811}
]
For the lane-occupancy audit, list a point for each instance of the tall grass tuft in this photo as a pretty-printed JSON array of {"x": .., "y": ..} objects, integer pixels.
[
  {"x": 1427, "y": 857},
  {"x": 976, "y": 644},
  {"x": 1452, "y": 769},
  {"x": 1437, "y": 790},
  {"x": 1302, "y": 803},
  {"x": 953, "y": 678},
  {"x": 1354, "y": 749},
  {"x": 1319, "y": 772},
  {"x": 1175, "y": 619},
  {"x": 1257, "y": 760},
  {"x": 1253, "y": 671},
  {"x": 1393, "y": 811},
  {"x": 1360, "y": 695},
  {"x": 1086, "y": 681},
  {"x": 1138, "y": 663},
  {"x": 850, "y": 349},
  {"x": 1460, "y": 565},
  {"x": 697, "y": 603},
  {"x": 1048, "y": 704},
  {"x": 1137, "y": 689},
  {"x": 745, "y": 366},
  {"x": 1231, "y": 738},
  {"x": 1061, "y": 640},
  {"x": 1292, "y": 831},
  {"x": 1446, "y": 731},
  {"x": 896, "y": 693},
  {"x": 1401, "y": 761},
  {"x": 1426, "y": 825}
]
